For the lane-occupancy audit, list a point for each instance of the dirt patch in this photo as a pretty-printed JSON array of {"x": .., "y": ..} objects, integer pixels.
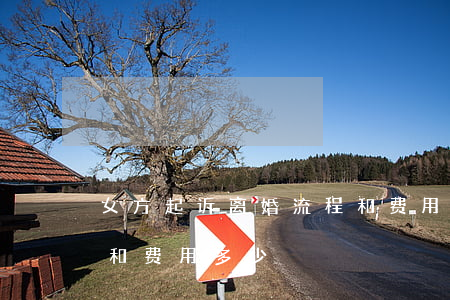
[{"x": 418, "y": 231}]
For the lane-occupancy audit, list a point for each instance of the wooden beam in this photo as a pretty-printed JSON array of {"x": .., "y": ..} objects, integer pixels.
[
  {"x": 6, "y": 219},
  {"x": 7, "y": 203},
  {"x": 20, "y": 225}
]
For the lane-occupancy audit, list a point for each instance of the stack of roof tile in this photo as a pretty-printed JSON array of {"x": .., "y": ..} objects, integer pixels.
[
  {"x": 57, "y": 276},
  {"x": 31, "y": 279},
  {"x": 5, "y": 286}
]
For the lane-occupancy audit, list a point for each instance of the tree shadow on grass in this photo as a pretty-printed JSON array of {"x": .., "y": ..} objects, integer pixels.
[{"x": 77, "y": 251}]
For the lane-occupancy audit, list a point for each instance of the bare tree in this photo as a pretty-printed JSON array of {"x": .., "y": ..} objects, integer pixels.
[{"x": 177, "y": 124}]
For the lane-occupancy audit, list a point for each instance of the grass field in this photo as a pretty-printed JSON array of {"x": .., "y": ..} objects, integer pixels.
[
  {"x": 170, "y": 279},
  {"x": 286, "y": 193},
  {"x": 316, "y": 192},
  {"x": 81, "y": 213},
  {"x": 435, "y": 227},
  {"x": 63, "y": 218},
  {"x": 89, "y": 273}
]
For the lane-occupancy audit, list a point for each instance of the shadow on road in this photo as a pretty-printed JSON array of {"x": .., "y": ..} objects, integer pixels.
[{"x": 78, "y": 251}]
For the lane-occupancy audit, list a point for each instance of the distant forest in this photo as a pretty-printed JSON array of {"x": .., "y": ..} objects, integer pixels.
[{"x": 431, "y": 167}]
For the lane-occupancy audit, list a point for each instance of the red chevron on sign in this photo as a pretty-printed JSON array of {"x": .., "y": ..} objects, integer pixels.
[{"x": 224, "y": 246}]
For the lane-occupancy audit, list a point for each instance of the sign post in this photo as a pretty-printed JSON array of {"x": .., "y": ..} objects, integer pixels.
[
  {"x": 413, "y": 217},
  {"x": 255, "y": 200},
  {"x": 126, "y": 200},
  {"x": 221, "y": 289}
]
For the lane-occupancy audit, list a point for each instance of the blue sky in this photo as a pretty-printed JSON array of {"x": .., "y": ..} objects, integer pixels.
[{"x": 385, "y": 68}]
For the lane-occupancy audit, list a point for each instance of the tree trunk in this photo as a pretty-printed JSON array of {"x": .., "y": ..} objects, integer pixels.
[{"x": 159, "y": 191}]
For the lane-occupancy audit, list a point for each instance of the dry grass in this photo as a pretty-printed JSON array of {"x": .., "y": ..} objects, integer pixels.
[
  {"x": 171, "y": 279},
  {"x": 435, "y": 227},
  {"x": 286, "y": 193},
  {"x": 81, "y": 213},
  {"x": 316, "y": 192}
]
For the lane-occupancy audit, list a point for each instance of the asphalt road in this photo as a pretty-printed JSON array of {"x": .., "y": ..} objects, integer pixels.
[{"x": 341, "y": 256}]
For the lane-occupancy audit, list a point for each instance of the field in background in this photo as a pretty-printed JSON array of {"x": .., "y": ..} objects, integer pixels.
[
  {"x": 316, "y": 192},
  {"x": 61, "y": 214},
  {"x": 89, "y": 273},
  {"x": 63, "y": 197},
  {"x": 66, "y": 218},
  {"x": 435, "y": 227},
  {"x": 286, "y": 193}
]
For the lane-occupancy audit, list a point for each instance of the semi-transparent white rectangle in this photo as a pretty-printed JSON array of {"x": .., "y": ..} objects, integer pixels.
[{"x": 185, "y": 112}]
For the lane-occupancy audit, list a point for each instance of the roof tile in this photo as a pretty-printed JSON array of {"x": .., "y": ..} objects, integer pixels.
[{"x": 22, "y": 163}]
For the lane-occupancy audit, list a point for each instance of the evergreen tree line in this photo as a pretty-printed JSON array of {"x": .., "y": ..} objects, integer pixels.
[
  {"x": 431, "y": 167},
  {"x": 224, "y": 179},
  {"x": 325, "y": 169}
]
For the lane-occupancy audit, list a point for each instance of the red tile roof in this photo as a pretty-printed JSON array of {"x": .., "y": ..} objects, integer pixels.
[{"x": 21, "y": 163}]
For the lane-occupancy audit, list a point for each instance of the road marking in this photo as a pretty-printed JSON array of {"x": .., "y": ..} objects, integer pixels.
[{"x": 353, "y": 245}]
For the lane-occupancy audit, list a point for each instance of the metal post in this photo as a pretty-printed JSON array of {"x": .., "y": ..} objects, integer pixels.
[
  {"x": 413, "y": 217},
  {"x": 376, "y": 215},
  {"x": 221, "y": 289}
]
